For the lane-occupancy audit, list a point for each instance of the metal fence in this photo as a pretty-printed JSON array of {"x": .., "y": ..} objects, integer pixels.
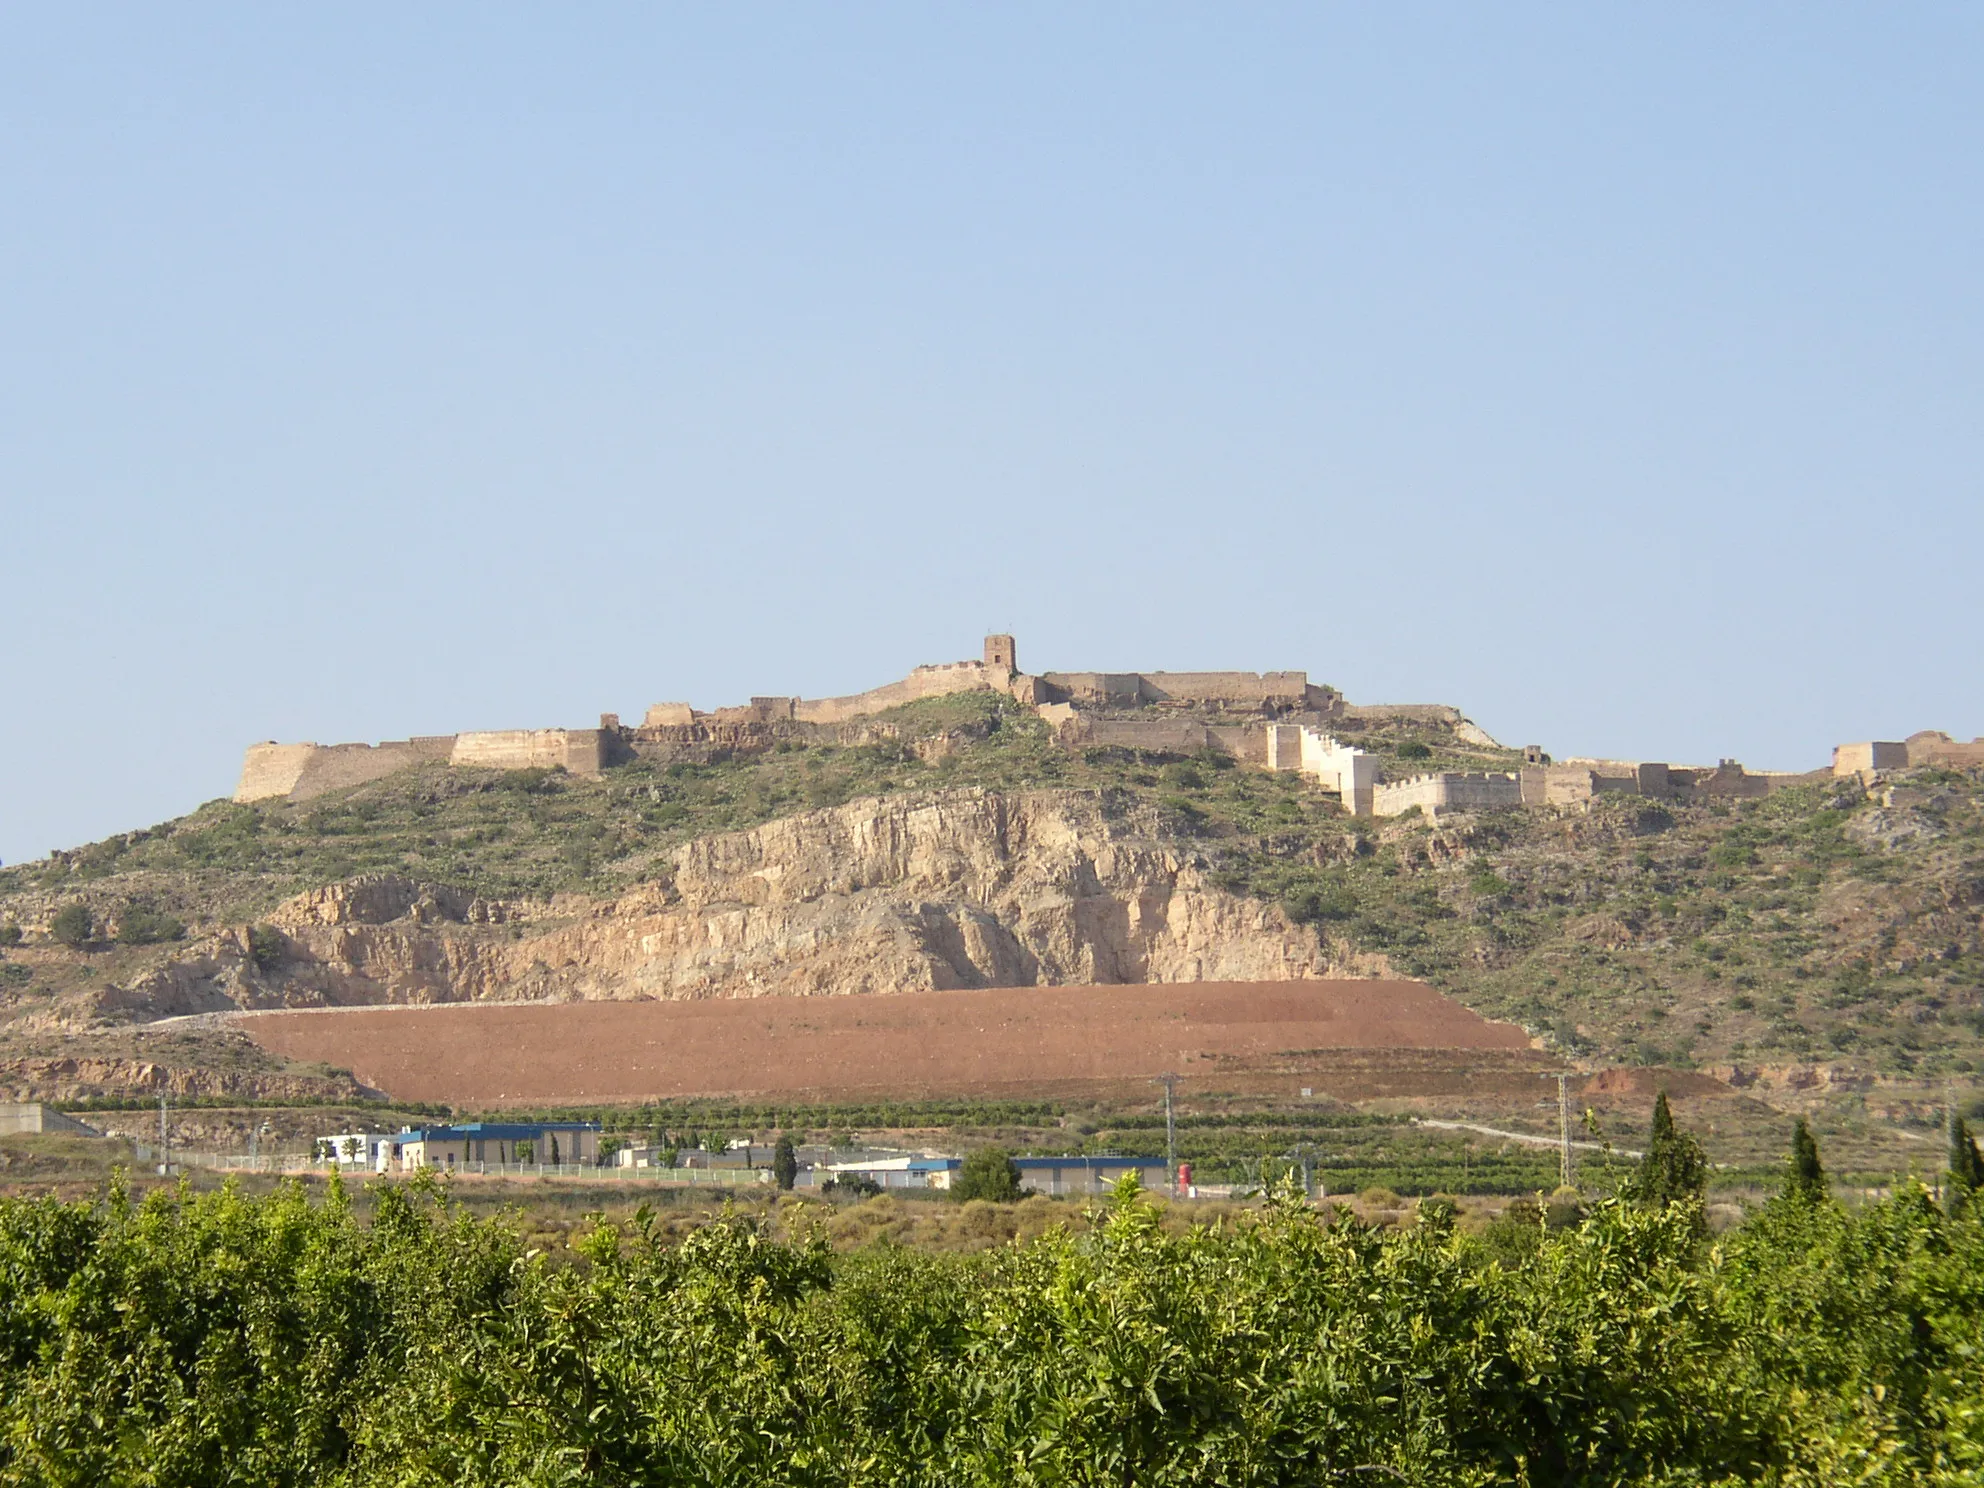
[{"x": 241, "y": 1162}]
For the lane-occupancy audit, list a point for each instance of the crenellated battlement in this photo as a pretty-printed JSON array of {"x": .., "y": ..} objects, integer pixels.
[
  {"x": 1272, "y": 720},
  {"x": 1447, "y": 790},
  {"x": 298, "y": 771}
]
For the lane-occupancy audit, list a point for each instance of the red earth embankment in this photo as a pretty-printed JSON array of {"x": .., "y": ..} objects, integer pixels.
[{"x": 1004, "y": 1040}]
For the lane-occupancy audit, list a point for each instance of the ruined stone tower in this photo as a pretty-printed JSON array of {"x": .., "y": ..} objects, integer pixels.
[{"x": 1001, "y": 654}]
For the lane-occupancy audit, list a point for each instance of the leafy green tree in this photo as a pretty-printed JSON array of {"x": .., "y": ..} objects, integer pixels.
[
  {"x": 1807, "y": 1179},
  {"x": 988, "y": 1173},
  {"x": 73, "y": 925},
  {"x": 1966, "y": 1166},
  {"x": 266, "y": 947},
  {"x": 785, "y": 1162},
  {"x": 137, "y": 925},
  {"x": 1675, "y": 1169}
]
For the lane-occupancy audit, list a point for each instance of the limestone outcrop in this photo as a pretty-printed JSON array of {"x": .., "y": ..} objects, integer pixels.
[{"x": 967, "y": 888}]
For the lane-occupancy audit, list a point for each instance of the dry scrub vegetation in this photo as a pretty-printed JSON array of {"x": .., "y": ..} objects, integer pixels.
[{"x": 1822, "y": 924}]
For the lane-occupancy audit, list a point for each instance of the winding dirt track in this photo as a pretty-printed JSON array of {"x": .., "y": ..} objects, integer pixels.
[{"x": 1003, "y": 1040}]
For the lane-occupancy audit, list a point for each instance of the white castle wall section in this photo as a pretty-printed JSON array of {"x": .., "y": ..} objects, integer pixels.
[
  {"x": 1447, "y": 791},
  {"x": 1336, "y": 766}
]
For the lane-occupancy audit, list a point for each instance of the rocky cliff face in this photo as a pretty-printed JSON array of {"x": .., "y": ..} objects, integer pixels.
[{"x": 966, "y": 888}]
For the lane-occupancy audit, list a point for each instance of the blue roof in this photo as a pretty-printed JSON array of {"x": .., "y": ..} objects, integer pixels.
[
  {"x": 499, "y": 1131},
  {"x": 1078, "y": 1160},
  {"x": 933, "y": 1164}
]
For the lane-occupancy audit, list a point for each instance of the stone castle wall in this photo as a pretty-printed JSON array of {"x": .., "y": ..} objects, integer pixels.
[
  {"x": 923, "y": 682},
  {"x": 1334, "y": 765},
  {"x": 1170, "y": 735},
  {"x": 1447, "y": 791},
  {"x": 1575, "y": 782},
  {"x": 1929, "y": 747},
  {"x": 1933, "y": 747},
  {"x": 273, "y": 769},
  {"x": 580, "y": 751},
  {"x": 1855, "y": 759},
  {"x": 298, "y": 771},
  {"x": 1249, "y": 691},
  {"x": 301, "y": 771}
]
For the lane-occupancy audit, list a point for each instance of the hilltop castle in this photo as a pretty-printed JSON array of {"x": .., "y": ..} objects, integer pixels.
[
  {"x": 300, "y": 771},
  {"x": 1271, "y": 720}
]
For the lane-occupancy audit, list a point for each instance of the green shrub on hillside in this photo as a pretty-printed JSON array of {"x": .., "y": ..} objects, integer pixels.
[
  {"x": 138, "y": 925},
  {"x": 266, "y": 946},
  {"x": 73, "y": 925}
]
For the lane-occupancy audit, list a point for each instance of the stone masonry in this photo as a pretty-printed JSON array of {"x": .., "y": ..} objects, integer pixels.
[
  {"x": 1271, "y": 720},
  {"x": 1929, "y": 747}
]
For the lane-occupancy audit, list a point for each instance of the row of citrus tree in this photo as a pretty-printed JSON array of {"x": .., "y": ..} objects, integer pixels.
[{"x": 194, "y": 1340}]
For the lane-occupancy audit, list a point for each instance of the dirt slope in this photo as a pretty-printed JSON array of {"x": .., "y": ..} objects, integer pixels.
[{"x": 982, "y": 1041}]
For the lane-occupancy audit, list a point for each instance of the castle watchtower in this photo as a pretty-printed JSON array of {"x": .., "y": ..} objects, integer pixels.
[{"x": 1001, "y": 654}]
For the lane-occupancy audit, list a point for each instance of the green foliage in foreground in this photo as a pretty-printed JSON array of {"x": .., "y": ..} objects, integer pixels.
[{"x": 225, "y": 1339}]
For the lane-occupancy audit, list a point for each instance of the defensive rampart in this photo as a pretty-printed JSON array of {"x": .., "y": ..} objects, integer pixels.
[
  {"x": 1933, "y": 747},
  {"x": 1078, "y": 705},
  {"x": 1336, "y": 766},
  {"x": 1447, "y": 791},
  {"x": 580, "y": 751},
  {"x": 1576, "y": 782},
  {"x": 1926, "y": 748},
  {"x": 300, "y": 771},
  {"x": 923, "y": 682},
  {"x": 1248, "y": 691},
  {"x": 1169, "y": 735}
]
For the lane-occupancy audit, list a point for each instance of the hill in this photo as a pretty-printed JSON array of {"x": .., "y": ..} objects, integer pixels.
[{"x": 1823, "y": 938}]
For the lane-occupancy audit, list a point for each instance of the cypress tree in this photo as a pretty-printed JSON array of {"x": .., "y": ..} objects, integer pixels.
[
  {"x": 1807, "y": 1178},
  {"x": 1966, "y": 1166},
  {"x": 785, "y": 1162},
  {"x": 1675, "y": 1168}
]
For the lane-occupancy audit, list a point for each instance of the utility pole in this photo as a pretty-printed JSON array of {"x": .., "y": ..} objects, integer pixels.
[
  {"x": 164, "y": 1140},
  {"x": 1303, "y": 1154},
  {"x": 1170, "y": 1084},
  {"x": 1566, "y": 1173},
  {"x": 1949, "y": 1135}
]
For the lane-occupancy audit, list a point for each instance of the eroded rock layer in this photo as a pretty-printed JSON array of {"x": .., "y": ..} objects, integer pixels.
[{"x": 959, "y": 889}]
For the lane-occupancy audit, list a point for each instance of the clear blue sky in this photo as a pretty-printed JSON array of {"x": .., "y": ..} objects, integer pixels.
[{"x": 1613, "y": 372}]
